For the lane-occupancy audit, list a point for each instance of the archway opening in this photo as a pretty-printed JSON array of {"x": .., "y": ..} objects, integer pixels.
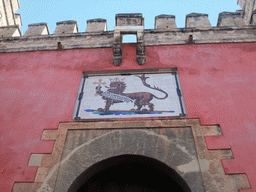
[{"x": 129, "y": 173}]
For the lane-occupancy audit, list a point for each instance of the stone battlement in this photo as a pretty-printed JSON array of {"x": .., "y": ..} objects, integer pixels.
[
  {"x": 239, "y": 26},
  {"x": 162, "y": 22},
  {"x": 230, "y": 28}
]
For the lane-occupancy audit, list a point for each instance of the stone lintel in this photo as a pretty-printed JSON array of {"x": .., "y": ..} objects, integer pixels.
[{"x": 128, "y": 29}]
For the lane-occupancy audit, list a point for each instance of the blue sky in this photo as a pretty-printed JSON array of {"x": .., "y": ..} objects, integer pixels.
[{"x": 52, "y": 11}]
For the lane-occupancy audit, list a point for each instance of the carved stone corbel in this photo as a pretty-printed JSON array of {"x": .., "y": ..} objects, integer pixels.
[
  {"x": 117, "y": 49},
  {"x": 129, "y": 23},
  {"x": 140, "y": 52},
  {"x": 117, "y": 45}
]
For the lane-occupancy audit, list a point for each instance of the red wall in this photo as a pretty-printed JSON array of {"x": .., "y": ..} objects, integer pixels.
[{"x": 39, "y": 89}]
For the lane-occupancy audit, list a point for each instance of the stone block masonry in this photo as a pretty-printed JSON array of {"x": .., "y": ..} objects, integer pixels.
[
  {"x": 66, "y": 27},
  {"x": 230, "y": 28},
  {"x": 178, "y": 143}
]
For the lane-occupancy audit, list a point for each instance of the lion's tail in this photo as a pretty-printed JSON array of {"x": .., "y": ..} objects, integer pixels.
[
  {"x": 143, "y": 79},
  {"x": 166, "y": 94}
]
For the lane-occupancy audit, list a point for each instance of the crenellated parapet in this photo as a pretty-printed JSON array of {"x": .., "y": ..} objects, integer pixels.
[
  {"x": 231, "y": 27},
  {"x": 239, "y": 26}
]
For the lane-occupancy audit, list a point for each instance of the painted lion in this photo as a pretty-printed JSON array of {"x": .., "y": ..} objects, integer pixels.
[{"x": 116, "y": 89}]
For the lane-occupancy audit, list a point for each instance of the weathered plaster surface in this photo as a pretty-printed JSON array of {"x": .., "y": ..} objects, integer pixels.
[{"x": 39, "y": 89}]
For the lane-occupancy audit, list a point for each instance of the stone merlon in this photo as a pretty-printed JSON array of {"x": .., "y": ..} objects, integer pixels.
[
  {"x": 227, "y": 19},
  {"x": 65, "y": 27},
  {"x": 165, "y": 22},
  {"x": 197, "y": 20},
  {"x": 230, "y": 28},
  {"x": 37, "y": 29},
  {"x": 96, "y": 25},
  {"x": 129, "y": 19}
]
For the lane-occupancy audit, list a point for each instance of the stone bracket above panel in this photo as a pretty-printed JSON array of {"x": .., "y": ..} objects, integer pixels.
[{"x": 119, "y": 31}]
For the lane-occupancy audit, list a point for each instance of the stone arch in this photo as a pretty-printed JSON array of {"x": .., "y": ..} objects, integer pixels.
[
  {"x": 149, "y": 174},
  {"x": 175, "y": 143},
  {"x": 173, "y": 147}
]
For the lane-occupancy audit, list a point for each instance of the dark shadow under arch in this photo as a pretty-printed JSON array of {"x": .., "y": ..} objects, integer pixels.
[{"x": 129, "y": 173}]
